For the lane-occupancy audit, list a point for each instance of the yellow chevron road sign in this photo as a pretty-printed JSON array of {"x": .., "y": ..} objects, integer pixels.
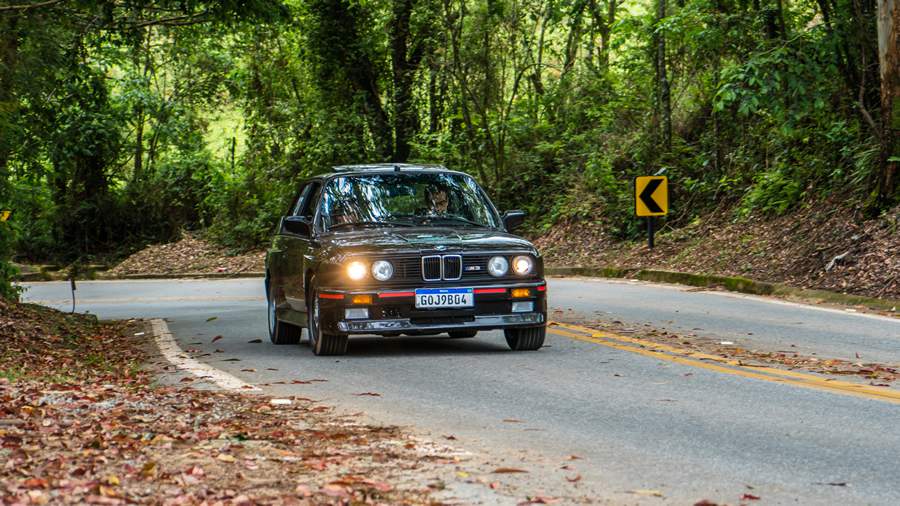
[{"x": 651, "y": 196}]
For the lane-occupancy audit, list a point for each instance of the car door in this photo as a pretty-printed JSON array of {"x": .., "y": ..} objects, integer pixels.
[
  {"x": 299, "y": 248},
  {"x": 276, "y": 258}
]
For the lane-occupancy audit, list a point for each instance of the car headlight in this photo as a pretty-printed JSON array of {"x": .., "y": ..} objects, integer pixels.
[
  {"x": 382, "y": 270},
  {"x": 356, "y": 270},
  {"x": 523, "y": 265},
  {"x": 498, "y": 266}
]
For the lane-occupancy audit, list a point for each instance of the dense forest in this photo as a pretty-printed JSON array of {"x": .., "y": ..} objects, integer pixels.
[{"x": 126, "y": 121}]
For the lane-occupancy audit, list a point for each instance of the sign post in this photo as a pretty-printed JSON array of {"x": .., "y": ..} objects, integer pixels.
[{"x": 651, "y": 199}]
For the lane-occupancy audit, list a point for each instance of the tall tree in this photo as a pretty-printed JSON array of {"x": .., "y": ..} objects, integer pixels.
[
  {"x": 889, "y": 65},
  {"x": 406, "y": 56},
  {"x": 664, "y": 99},
  {"x": 348, "y": 66}
]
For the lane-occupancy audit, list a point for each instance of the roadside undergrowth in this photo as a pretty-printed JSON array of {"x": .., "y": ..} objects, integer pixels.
[{"x": 825, "y": 245}]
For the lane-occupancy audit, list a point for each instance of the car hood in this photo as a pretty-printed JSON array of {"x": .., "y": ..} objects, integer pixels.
[{"x": 419, "y": 240}]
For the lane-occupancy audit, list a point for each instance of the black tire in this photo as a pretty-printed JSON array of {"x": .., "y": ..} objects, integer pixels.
[
  {"x": 322, "y": 343},
  {"x": 531, "y": 338},
  {"x": 279, "y": 331},
  {"x": 462, "y": 334}
]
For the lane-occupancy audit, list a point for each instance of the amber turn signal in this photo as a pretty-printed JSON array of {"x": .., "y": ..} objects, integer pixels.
[
  {"x": 362, "y": 299},
  {"x": 521, "y": 292}
]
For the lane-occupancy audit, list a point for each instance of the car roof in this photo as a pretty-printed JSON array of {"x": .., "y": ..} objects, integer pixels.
[{"x": 369, "y": 168}]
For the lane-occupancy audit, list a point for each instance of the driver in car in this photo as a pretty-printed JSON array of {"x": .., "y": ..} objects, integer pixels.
[
  {"x": 343, "y": 214},
  {"x": 438, "y": 200}
]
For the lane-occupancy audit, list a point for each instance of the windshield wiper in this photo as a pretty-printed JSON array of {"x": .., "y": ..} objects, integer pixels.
[
  {"x": 369, "y": 224},
  {"x": 458, "y": 218}
]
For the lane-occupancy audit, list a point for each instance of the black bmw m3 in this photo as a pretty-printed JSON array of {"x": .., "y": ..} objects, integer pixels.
[{"x": 395, "y": 249}]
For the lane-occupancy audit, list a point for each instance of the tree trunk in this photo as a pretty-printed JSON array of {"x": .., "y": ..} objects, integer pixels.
[
  {"x": 603, "y": 24},
  {"x": 454, "y": 22},
  {"x": 138, "y": 145},
  {"x": 664, "y": 96},
  {"x": 889, "y": 65},
  {"x": 573, "y": 40},
  {"x": 404, "y": 69},
  {"x": 9, "y": 52},
  {"x": 434, "y": 109}
]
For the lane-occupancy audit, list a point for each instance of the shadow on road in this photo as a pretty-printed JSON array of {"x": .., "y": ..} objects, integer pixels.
[
  {"x": 372, "y": 346},
  {"x": 428, "y": 346}
]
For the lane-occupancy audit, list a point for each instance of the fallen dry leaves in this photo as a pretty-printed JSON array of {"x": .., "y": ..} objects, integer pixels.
[
  {"x": 81, "y": 423},
  {"x": 191, "y": 254}
]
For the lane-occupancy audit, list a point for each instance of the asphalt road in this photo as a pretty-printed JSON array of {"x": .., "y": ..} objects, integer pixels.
[{"x": 639, "y": 425}]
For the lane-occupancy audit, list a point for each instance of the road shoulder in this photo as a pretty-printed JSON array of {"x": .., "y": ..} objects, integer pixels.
[{"x": 82, "y": 418}]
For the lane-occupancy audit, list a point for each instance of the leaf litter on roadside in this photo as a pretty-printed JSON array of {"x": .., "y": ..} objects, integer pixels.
[{"x": 83, "y": 423}]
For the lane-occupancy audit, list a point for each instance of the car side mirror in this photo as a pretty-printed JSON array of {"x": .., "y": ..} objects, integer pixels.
[
  {"x": 512, "y": 219},
  {"x": 297, "y": 225}
]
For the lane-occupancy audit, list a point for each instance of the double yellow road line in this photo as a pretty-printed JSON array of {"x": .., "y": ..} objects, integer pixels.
[{"x": 722, "y": 365}]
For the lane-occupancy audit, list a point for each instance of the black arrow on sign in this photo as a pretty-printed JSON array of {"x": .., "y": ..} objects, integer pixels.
[{"x": 646, "y": 196}]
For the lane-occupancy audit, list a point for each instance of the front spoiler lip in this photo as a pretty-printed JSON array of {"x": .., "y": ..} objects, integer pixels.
[{"x": 483, "y": 322}]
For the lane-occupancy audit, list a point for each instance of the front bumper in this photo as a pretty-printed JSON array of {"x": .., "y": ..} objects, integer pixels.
[
  {"x": 483, "y": 322},
  {"x": 393, "y": 311}
]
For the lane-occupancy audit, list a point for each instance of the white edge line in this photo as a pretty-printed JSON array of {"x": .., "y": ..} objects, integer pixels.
[
  {"x": 790, "y": 303},
  {"x": 177, "y": 357}
]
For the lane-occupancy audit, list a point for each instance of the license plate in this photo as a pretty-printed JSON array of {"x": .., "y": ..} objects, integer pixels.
[{"x": 431, "y": 298}]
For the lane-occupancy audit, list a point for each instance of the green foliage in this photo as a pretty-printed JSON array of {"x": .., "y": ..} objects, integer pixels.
[
  {"x": 7, "y": 271},
  {"x": 106, "y": 127}
]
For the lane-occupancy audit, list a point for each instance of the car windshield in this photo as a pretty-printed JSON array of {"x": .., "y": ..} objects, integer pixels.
[{"x": 405, "y": 199}]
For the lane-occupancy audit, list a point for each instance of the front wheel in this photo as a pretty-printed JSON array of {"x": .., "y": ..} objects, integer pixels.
[
  {"x": 531, "y": 338},
  {"x": 279, "y": 331},
  {"x": 322, "y": 343}
]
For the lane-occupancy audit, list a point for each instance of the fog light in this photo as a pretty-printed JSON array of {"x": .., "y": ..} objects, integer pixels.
[
  {"x": 522, "y": 307},
  {"x": 518, "y": 293},
  {"x": 362, "y": 299},
  {"x": 356, "y": 313}
]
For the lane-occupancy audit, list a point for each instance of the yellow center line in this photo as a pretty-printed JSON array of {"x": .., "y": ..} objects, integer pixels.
[
  {"x": 726, "y": 366},
  {"x": 696, "y": 354}
]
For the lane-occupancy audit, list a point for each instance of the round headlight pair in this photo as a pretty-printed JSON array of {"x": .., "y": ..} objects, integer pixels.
[
  {"x": 499, "y": 266},
  {"x": 382, "y": 270}
]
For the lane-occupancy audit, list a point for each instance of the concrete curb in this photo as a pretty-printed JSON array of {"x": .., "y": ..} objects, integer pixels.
[
  {"x": 186, "y": 275},
  {"x": 730, "y": 283},
  {"x": 62, "y": 276},
  {"x": 55, "y": 272}
]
